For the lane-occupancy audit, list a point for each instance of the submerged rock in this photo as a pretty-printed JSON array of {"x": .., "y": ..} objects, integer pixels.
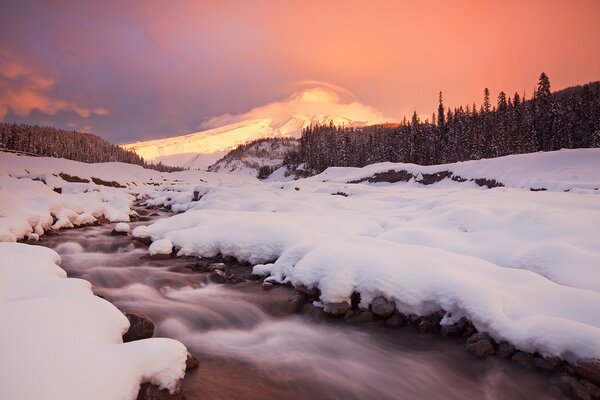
[
  {"x": 360, "y": 316},
  {"x": 395, "y": 320},
  {"x": 589, "y": 369},
  {"x": 505, "y": 350},
  {"x": 218, "y": 276},
  {"x": 339, "y": 308},
  {"x": 523, "y": 359},
  {"x": 295, "y": 303},
  {"x": 427, "y": 327},
  {"x": 191, "y": 362},
  {"x": 481, "y": 348},
  {"x": 574, "y": 389},
  {"x": 550, "y": 364}
]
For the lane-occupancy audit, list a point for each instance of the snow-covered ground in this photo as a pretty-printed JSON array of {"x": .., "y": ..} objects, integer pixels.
[
  {"x": 59, "y": 341},
  {"x": 523, "y": 265}
]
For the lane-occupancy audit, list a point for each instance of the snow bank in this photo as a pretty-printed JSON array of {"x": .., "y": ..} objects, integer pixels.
[
  {"x": 162, "y": 246},
  {"x": 523, "y": 265},
  {"x": 39, "y": 193},
  {"x": 519, "y": 306},
  {"x": 69, "y": 341},
  {"x": 555, "y": 171}
]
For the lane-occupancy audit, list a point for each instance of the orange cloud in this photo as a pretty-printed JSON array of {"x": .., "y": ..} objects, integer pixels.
[{"x": 23, "y": 90}]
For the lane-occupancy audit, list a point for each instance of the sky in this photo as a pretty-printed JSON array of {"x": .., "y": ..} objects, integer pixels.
[{"x": 148, "y": 69}]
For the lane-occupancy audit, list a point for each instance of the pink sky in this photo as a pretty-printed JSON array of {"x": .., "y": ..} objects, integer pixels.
[{"x": 147, "y": 69}]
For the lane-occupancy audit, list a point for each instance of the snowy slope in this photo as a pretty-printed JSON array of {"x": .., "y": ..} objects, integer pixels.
[
  {"x": 248, "y": 159},
  {"x": 561, "y": 170},
  {"x": 279, "y": 119}
]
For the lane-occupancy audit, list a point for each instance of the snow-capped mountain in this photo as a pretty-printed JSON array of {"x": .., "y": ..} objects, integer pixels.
[{"x": 320, "y": 105}]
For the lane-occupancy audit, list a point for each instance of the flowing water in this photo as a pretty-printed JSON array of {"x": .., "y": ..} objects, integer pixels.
[{"x": 250, "y": 348}]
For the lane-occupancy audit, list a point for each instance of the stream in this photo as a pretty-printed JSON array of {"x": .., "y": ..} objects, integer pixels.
[{"x": 250, "y": 348}]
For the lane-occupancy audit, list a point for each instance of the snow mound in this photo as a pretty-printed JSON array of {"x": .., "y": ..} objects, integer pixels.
[
  {"x": 161, "y": 246},
  {"x": 70, "y": 340},
  {"x": 122, "y": 227}
]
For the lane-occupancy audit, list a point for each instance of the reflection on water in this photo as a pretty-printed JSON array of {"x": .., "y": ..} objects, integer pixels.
[{"x": 250, "y": 349}]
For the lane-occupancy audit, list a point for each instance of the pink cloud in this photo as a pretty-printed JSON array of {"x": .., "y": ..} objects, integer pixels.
[{"x": 22, "y": 90}]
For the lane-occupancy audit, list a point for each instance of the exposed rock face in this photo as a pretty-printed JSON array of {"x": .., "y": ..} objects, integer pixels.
[
  {"x": 589, "y": 369},
  {"x": 140, "y": 327},
  {"x": 149, "y": 391},
  {"x": 382, "y": 307},
  {"x": 268, "y": 285},
  {"x": 340, "y": 308}
]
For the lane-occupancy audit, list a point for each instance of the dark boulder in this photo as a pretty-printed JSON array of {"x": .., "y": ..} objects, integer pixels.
[
  {"x": 191, "y": 362},
  {"x": 311, "y": 293},
  {"x": 550, "y": 364},
  {"x": 523, "y": 359},
  {"x": 481, "y": 348},
  {"x": 426, "y": 327},
  {"x": 382, "y": 307},
  {"x": 395, "y": 321},
  {"x": 140, "y": 327},
  {"x": 360, "y": 316},
  {"x": 218, "y": 276},
  {"x": 295, "y": 303},
  {"x": 339, "y": 308},
  {"x": 505, "y": 350}
]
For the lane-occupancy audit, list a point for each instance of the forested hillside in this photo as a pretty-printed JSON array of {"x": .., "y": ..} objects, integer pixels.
[
  {"x": 79, "y": 146},
  {"x": 569, "y": 118}
]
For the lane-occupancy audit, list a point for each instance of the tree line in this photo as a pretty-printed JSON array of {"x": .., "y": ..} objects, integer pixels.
[
  {"x": 569, "y": 118},
  {"x": 73, "y": 145}
]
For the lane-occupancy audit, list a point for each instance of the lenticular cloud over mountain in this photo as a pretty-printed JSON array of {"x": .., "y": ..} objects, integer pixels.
[{"x": 318, "y": 104}]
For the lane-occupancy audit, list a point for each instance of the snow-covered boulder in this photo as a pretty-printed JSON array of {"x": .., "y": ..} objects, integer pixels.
[
  {"x": 161, "y": 247},
  {"x": 121, "y": 228}
]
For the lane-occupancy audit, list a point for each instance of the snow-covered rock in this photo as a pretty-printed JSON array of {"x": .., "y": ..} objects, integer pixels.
[
  {"x": 161, "y": 247},
  {"x": 122, "y": 227},
  {"x": 59, "y": 341}
]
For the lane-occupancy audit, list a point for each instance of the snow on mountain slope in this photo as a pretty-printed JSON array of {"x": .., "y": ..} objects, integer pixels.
[
  {"x": 320, "y": 105},
  {"x": 249, "y": 158}
]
